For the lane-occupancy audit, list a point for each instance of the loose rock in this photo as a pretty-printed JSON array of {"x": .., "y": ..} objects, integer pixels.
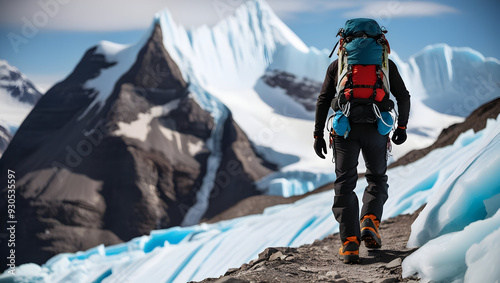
[{"x": 394, "y": 263}]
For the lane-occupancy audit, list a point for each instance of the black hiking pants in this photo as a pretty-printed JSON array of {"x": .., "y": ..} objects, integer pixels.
[{"x": 373, "y": 145}]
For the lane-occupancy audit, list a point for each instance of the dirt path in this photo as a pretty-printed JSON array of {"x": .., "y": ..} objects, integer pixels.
[{"x": 318, "y": 262}]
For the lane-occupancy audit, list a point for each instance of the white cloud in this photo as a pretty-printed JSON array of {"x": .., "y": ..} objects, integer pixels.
[
  {"x": 400, "y": 9},
  {"x": 112, "y": 15},
  {"x": 290, "y": 8},
  {"x": 106, "y": 15}
]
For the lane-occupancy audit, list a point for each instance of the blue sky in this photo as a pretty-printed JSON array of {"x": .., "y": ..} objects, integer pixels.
[{"x": 50, "y": 36}]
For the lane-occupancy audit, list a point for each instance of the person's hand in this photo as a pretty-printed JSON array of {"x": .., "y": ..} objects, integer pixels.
[
  {"x": 399, "y": 135},
  {"x": 320, "y": 146}
]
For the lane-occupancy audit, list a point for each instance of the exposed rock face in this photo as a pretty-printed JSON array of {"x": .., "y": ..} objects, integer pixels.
[
  {"x": 303, "y": 91},
  {"x": 120, "y": 171}
]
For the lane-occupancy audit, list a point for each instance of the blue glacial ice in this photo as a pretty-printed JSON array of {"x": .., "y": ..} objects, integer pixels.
[
  {"x": 209, "y": 250},
  {"x": 457, "y": 228}
]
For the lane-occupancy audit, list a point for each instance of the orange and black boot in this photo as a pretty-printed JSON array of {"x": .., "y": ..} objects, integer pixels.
[
  {"x": 349, "y": 252},
  {"x": 369, "y": 232}
]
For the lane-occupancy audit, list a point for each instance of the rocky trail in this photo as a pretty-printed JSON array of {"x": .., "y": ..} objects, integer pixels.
[{"x": 318, "y": 262}]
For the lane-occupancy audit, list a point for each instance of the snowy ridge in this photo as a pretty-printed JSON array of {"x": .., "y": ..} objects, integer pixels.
[
  {"x": 18, "y": 95},
  {"x": 12, "y": 77},
  {"x": 235, "y": 52},
  {"x": 124, "y": 56},
  {"x": 197, "y": 252}
]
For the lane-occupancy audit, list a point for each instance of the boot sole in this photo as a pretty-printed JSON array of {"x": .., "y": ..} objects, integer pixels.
[
  {"x": 369, "y": 240},
  {"x": 349, "y": 258}
]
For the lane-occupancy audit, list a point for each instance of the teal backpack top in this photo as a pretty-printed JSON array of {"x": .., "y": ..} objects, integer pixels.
[
  {"x": 364, "y": 41},
  {"x": 361, "y": 36},
  {"x": 368, "y": 26}
]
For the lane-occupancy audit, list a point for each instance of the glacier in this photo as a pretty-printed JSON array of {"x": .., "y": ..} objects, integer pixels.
[
  {"x": 181, "y": 254},
  {"x": 229, "y": 60},
  {"x": 462, "y": 217},
  {"x": 469, "y": 255}
]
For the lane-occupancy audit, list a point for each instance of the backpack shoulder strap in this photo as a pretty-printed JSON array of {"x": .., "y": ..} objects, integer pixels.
[
  {"x": 385, "y": 69},
  {"x": 342, "y": 71}
]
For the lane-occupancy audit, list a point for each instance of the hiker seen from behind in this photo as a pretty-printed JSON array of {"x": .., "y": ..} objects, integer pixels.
[{"x": 357, "y": 87}]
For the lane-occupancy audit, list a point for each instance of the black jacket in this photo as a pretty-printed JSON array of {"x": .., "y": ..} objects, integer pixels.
[{"x": 328, "y": 92}]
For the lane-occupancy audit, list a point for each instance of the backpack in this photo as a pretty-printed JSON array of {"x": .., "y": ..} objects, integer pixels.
[{"x": 363, "y": 71}]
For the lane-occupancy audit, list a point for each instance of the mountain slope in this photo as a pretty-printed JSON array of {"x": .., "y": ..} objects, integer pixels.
[
  {"x": 98, "y": 167},
  {"x": 18, "y": 95}
]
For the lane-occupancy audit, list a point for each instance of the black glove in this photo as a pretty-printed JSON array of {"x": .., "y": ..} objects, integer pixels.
[
  {"x": 399, "y": 135},
  {"x": 320, "y": 146}
]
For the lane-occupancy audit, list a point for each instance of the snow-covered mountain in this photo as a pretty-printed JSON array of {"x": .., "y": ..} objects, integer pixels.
[
  {"x": 230, "y": 61},
  {"x": 18, "y": 95},
  {"x": 5, "y": 138},
  {"x": 241, "y": 59},
  {"x": 121, "y": 147},
  {"x": 17, "y": 85}
]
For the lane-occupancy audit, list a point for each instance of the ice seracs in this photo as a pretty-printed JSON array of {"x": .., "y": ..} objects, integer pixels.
[
  {"x": 456, "y": 228},
  {"x": 209, "y": 250}
]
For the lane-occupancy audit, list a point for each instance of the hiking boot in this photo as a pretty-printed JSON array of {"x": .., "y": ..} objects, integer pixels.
[
  {"x": 349, "y": 252},
  {"x": 369, "y": 232}
]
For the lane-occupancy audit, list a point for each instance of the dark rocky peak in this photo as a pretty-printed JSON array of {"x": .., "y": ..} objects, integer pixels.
[{"x": 90, "y": 173}]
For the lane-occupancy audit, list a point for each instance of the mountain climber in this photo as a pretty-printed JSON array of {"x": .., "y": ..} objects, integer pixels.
[{"x": 362, "y": 132}]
